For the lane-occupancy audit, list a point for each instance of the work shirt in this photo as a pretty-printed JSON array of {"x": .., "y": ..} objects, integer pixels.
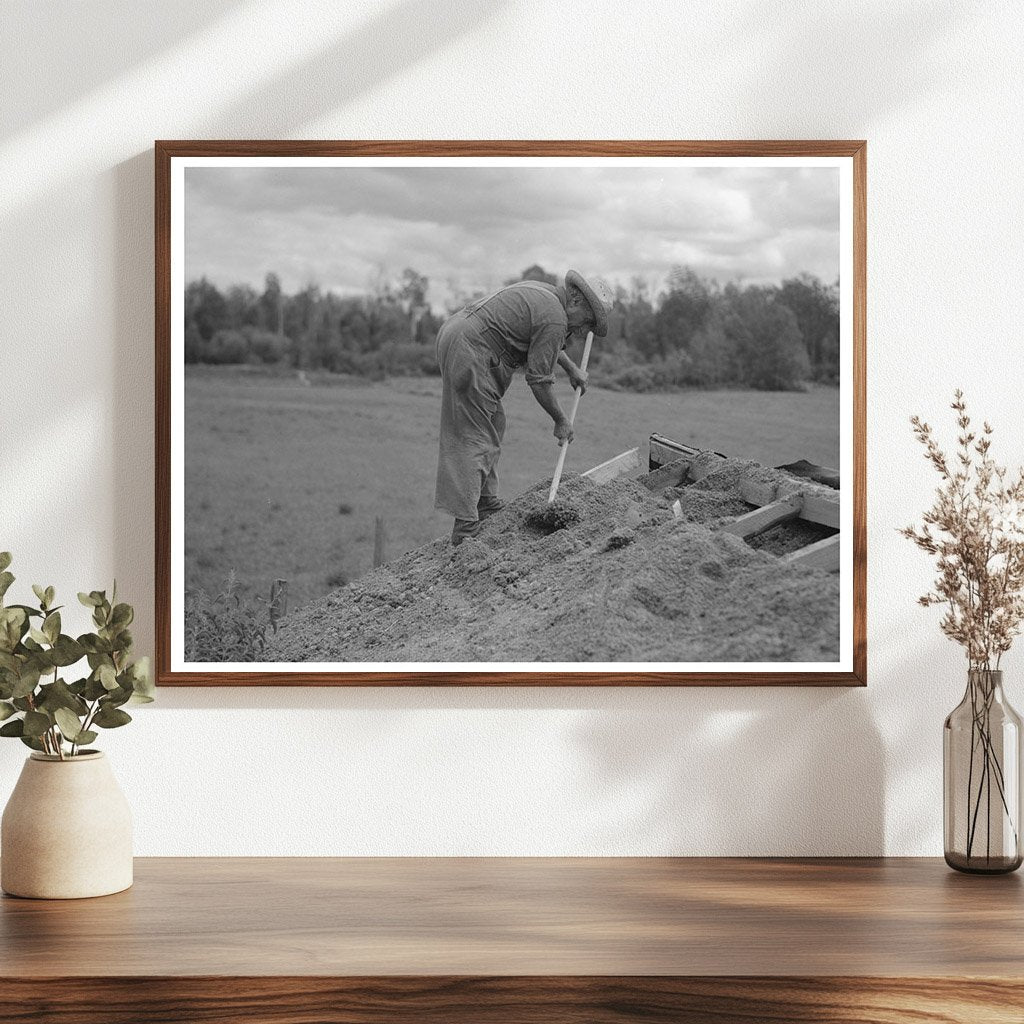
[{"x": 528, "y": 320}]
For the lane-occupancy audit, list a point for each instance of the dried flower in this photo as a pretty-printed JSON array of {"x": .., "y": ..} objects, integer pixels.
[{"x": 975, "y": 529}]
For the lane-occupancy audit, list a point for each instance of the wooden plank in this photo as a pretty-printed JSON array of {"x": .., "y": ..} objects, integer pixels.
[
  {"x": 756, "y": 492},
  {"x": 764, "y": 518},
  {"x": 613, "y": 468},
  {"x": 672, "y": 474},
  {"x": 818, "y": 508},
  {"x": 663, "y": 450},
  {"x": 822, "y": 509},
  {"x": 823, "y": 554}
]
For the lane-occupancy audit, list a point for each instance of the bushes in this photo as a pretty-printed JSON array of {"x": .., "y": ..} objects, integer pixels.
[
  {"x": 224, "y": 628},
  {"x": 696, "y": 333},
  {"x": 230, "y": 346}
]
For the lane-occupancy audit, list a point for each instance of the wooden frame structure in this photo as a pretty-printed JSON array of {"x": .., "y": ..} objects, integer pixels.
[
  {"x": 166, "y": 152},
  {"x": 769, "y": 510}
]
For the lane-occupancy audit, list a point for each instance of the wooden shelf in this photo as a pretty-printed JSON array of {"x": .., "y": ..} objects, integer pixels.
[{"x": 577, "y": 941}]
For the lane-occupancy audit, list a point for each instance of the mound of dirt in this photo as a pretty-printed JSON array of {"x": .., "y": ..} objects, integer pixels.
[{"x": 626, "y": 582}]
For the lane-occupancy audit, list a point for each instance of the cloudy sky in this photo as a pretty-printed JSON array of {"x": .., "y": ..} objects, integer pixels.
[{"x": 470, "y": 229}]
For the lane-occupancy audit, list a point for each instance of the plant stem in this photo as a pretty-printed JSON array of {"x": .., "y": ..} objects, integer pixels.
[{"x": 59, "y": 740}]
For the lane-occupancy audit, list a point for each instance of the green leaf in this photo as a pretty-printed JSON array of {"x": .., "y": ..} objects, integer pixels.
[
  {"x": 38, "y": 635},
  {"x": 59, "y": 695},
  {"x": 107, "y": 718},
  {"x": 50, "y": 595},
  {"x": 23, "y": 703},
  {"x": 29, "y": 610},
  {"x": 89, "y": 600},
  {"x": 94, "y": 689},
  {"x": 122, "y": 616},
  {"x": 51, "y": 626},
  {"x": 142, "y": 681},
  {"x": 9, "y": 662},
  {"x": 86, "y": 736},
  {"x": 98, "y": 649},
  {"x": 28, "y": 680},
  {"x": 6, "y": 710},
  {"x": 5, "y": 559},
  {"x": 13, "y": 625},
  {"x": 40, "y": 592},
  {"x": 67, "y": 651},
  {"x": 13, "y": 728},
  {"x": 36, "y": 723},
  {"x": 107, "y": 676},
  {"x": 115, "y": 698},
  {"x": 69, "y": 723},
  {"x": 31, "y": 741},
  {"x": 6, "y": 579}
]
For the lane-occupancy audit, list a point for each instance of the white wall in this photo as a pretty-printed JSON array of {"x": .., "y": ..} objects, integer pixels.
[{"x": 937, "y": 90}]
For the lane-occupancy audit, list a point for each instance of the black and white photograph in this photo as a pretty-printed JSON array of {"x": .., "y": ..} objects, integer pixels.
[{"x": 511, "y": 415}]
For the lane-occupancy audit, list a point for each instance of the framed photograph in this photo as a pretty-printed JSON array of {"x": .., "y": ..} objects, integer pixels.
[{"x": 493, "y": 413}]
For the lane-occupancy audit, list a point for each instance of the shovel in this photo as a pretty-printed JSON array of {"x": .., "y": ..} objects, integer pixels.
[{"x": 563, "y": 446}]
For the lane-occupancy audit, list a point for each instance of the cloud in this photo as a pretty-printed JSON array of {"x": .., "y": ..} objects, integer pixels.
[{"x": 470, "y": 228}]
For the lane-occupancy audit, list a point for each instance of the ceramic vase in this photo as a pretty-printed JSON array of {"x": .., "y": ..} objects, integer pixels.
[{"x": 66, "y": 831}]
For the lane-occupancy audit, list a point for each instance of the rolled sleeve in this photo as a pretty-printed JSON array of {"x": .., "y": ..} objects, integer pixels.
[{"x": 546, "y": 342}]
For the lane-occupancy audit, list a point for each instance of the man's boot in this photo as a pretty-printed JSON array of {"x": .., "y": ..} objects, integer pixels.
[
  {"x": 464, "y": 528},
  {"x": 488, "y": 505}
]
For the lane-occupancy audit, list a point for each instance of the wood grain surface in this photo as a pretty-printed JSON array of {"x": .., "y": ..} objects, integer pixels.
[
  {"x": 291, "y": 940},
  {"x": 166, "y": 150},
  {"x": 511, "y": 1000}
]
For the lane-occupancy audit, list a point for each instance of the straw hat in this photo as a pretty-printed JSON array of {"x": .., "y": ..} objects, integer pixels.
[{"x": 599, "y": 308}]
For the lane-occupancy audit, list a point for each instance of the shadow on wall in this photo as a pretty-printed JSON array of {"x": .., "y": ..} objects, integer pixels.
[
  {"x": 75, "y": 30},
  {"x": 395, "y": 39},
  {"x": 738, "y": 772},
  {"x": 691, "y": 771},
  {"x": 407, "y": 33}
]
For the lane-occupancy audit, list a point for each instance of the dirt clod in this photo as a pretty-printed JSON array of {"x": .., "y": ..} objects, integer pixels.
[{"x": 555, "y": 516}]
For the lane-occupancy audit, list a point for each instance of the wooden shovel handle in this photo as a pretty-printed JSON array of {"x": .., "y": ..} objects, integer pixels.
[{"x": 562, "y": 446}]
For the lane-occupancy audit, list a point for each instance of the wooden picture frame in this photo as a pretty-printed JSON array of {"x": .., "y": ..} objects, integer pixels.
[{"x": 848, "y": 158}]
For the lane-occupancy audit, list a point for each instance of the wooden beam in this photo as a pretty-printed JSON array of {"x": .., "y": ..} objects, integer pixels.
[
  {"x": 764, "y": 518},
  {"x": 613, "y": 468},
  {"x": 819, "y": 509},
  {"x": 822, "y": 509},
  {"x": 756, "y": 492},
  {"x": 675, "y": 465},
  {"x": 663, "y": 450},
  {"x": 823, "y": 554},
  {"x": 671, "y": 475}
]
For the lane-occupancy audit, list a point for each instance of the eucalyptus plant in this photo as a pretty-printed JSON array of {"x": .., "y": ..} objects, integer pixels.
[{"x": 37, "y": 705}]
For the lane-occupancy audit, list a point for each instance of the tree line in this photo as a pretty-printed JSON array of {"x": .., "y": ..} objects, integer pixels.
[{"x": 692, "y": 333}]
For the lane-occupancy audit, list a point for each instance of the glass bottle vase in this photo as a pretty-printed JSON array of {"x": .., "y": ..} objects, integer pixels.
[{"x": 981, "y": 772}]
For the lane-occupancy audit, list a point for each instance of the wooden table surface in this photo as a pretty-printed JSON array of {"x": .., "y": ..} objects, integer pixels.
[{"x": 485, "y": 940}]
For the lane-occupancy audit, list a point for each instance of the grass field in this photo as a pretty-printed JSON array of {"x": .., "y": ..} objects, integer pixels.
[{"x": 285, "y": 480}]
